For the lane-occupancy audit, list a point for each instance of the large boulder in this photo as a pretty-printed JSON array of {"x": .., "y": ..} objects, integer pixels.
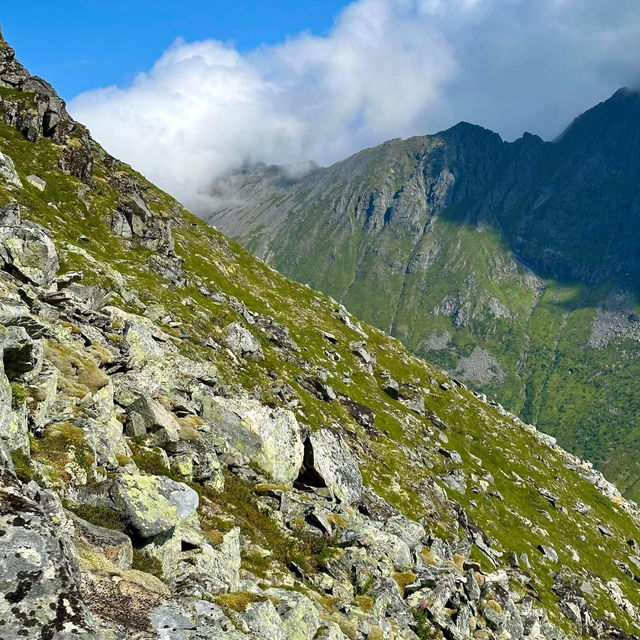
[
  {"x": 299, "y": 616},
  {"x": 328, "y": 461},
  {"x": 26, "y": 249},
  {"x": 268, "y": 437},
  {"x": 114, "y": 545},
  {"x": 195, "y": 565},
  {"x": 239, "y": 340},
  {"x": 148, "y": 415},
  {"x": 39, "y": 576},
  {"x": 151, "y": 505}
]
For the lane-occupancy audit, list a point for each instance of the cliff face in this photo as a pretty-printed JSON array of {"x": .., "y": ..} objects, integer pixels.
[
  {"x": 193, "y": 446},
  {"x": 515, "y": 266}
]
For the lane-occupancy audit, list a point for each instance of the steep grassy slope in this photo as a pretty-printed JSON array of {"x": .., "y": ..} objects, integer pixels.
[
  {"x": 512, "y": 265},
  {"x": 492, "y": 500}
]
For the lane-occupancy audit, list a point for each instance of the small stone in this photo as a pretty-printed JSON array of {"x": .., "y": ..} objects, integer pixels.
[
  {"x": 36, "y": 182},
  {"x": 548, "y": 552}
]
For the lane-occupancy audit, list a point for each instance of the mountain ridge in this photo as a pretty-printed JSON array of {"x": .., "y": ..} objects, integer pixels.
[{"x": 460, "y": 240}]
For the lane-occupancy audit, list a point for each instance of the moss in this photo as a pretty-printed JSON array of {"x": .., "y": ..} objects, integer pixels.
[
  {"x": 266, "y": 488},
  {"x": 146, "y": 563},
  {"x": 149, "y": 459},
  {"x": 336, "y": 519},
  {"x": 238, "y": 601},
  {"x": 59, "y": 445},
  {"x": 90, "y": 560},
  {"x": 364, "y": 602},
  {"x": 19, "y": 395},
  {"x": 98, "y": 515},
  {"x": 214, "y": 537},
  {"x": 79, "y": 374},
  {"x": 123, "y": 460},
  {"x": 404, "y": 579},
  {"x": 22, "y": 465}
]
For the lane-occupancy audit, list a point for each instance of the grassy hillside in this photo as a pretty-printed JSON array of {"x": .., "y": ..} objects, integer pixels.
[{"x": 511, "y": 265}]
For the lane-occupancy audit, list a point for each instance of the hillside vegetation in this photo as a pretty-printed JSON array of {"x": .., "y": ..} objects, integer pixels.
[
  {"x": 194, "y": 446},
  {"x": 514, "y": 266}
]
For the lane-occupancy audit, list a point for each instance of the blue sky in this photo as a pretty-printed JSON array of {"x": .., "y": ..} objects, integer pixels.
[{"x": 83, "y": 44}]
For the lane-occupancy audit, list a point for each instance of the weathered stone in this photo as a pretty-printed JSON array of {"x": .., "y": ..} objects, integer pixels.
[
  {"x": 194, "y": 566},
  {"x": 300, "y": 619},
  {"x": 239, "y": 340},
  {"x": 114, "y": 545},
  {"x": 148, "y": 415},
  {"x": 392, "y": 388},
  {"x": 262, "y": 619},
  {"x": 151, "y": 505},
  {"x": 269, "y": 437},
  {"x": 22, "y": 355},
  {"x": 37, "y": 182},
  {"x": 8, "y": 172},
  {"x": 330, "y": 631},
  {"x": 328, "y": 461},
  {"x": 548, "y": 552},
  {"x": 26, "y": 249},
  {"x": 39, "y": 575}
]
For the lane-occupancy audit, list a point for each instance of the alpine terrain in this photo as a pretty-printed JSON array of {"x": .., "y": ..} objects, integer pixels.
[
  {"x": 515, "y": 266},
  {"x": 194, "y": 447}
]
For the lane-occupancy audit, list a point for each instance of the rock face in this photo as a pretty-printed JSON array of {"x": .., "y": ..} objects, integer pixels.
[
  {"x": 204, "y": 449},
  {"x": 329, "y": 461},
  {"x": 269, "y": 438},
  {"x": 455, "y": 242},
  {"x": 151, "y": 505}
]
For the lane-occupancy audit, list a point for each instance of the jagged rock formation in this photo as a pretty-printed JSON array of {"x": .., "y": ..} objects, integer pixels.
[
  {"x": 193, "y": 446},
  {"x": 515, "y": 266}
]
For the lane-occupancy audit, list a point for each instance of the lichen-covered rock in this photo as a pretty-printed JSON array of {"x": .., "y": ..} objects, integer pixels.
[
  {"x": 379, "y": 543},
  {"x": 328, "y": 459},
  {"x": 195, "y": 566},
  {"x": 268, "y": 437},
  {"x": 148, "y": 415},
  {"x": 239, "y": 340},
  {"x": 262, "y": 619},
  {"x": 114, "y": 545},
  {"x": 39, "y": 575},
  {"x": 8, "y": 172},
  {"x": 23, "y": 356},
  {"x": 299, "y": 616},
  {"x": 26, "y": 249},
  {"x": 151, "y": 505}
]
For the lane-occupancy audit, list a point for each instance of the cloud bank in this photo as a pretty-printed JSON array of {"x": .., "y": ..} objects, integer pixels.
[{"x": 388, "y": 68}]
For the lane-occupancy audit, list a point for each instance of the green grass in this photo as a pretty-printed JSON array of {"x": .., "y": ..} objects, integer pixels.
[{"x": 474, "y": 428}]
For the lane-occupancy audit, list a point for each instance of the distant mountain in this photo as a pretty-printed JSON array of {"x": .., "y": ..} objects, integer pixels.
[{"x": 514, "y": 265}]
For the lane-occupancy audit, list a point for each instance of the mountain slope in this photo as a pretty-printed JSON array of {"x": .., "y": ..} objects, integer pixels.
[
  {"x": 194, "y": 446},
  {"x": 513, "y": 265}
]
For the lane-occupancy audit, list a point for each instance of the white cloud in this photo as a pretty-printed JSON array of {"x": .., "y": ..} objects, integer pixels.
[{"x": 388, "y": 68}]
